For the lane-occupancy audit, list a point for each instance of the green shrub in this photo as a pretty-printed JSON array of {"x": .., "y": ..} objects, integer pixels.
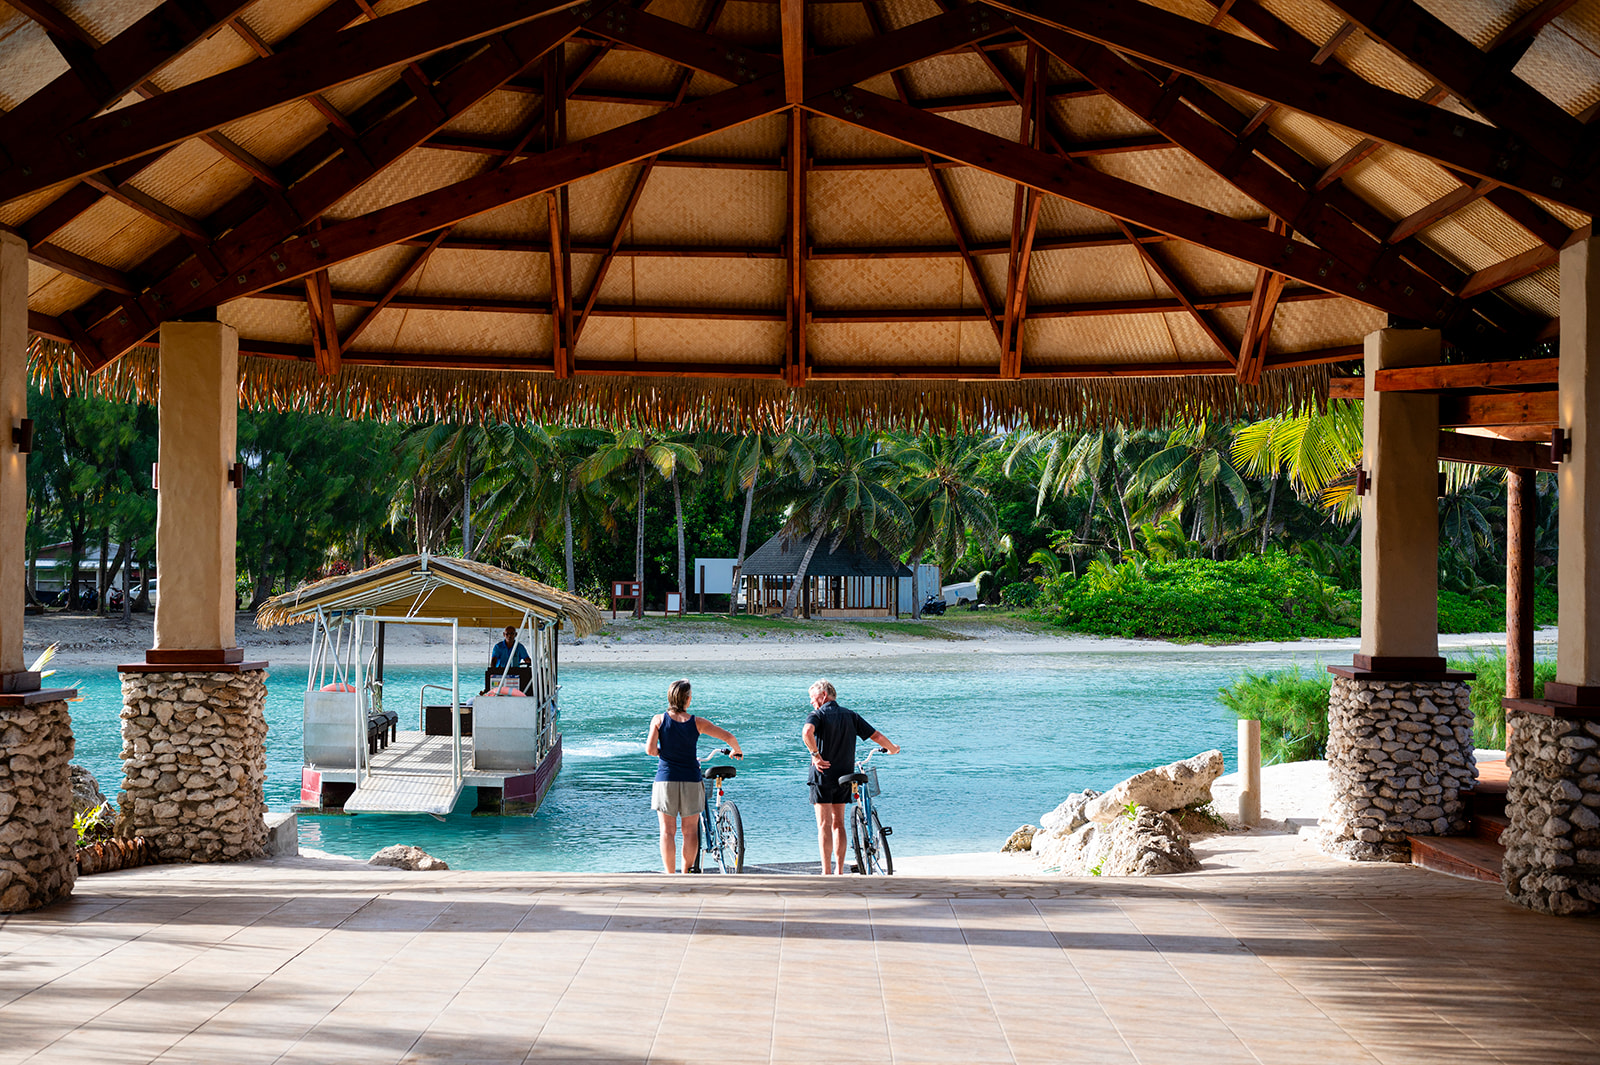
[
  {"x": 1020, "y": 594},
  {"x": 1292, "y": 708},
  {"x": 1258, "y": 597},
  {"x": 1485, "y": 609},
  {"x": 1488, "y": 716}
]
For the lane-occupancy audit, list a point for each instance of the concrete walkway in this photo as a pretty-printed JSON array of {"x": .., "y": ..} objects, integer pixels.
[{"x": 1294, "y": 959}]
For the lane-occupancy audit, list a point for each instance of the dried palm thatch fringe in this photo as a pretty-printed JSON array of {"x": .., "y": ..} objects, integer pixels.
[{"x": 675, "y": 403}]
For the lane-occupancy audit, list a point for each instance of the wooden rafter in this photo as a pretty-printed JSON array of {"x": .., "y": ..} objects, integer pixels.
[
  {"x": 946, "y": 203},
  {"x": 1024, "y": 223},
  {"x": 202, "y": 106},
  {"x": 792, "y": 31},
  {"x": 795, "y": 361},
  {"x": 1320, "y": 92},
  {"x": 1456, "y": 63},
  {"x": 608, "y": 254},
  {"x": 1257, "y": 336},
  {"x": 1513, "y": 374},
  {"x": 1179, "y": 291},
  {"x": 1509, "y": 45},
  {"x": 389, "y": 295},
  {"x": 261, "y": 48},
  {"x": 555, "y": 135},
  {"x": 396, "y": 132}
]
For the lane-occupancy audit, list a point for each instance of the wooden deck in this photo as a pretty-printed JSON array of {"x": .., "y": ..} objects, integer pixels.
[{"x": 413, "y": 775}]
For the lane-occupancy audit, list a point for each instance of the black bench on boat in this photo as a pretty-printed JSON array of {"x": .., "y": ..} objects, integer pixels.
[{"x": 383, "y": 726}]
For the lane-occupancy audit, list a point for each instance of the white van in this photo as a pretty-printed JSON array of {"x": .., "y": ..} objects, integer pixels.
[{"x": 960, "y": 594}]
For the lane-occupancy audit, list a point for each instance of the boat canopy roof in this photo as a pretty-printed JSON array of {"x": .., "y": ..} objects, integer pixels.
[{"x": 430, "y": 586}]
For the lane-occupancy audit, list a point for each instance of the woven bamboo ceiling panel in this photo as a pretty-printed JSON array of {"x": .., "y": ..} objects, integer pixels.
[{"x": 732, "y": 211}]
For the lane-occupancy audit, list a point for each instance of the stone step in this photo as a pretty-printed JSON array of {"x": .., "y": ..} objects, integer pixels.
[
  {"x": 1489, "y": 826},
  {"x": 1469, "y": 857}
]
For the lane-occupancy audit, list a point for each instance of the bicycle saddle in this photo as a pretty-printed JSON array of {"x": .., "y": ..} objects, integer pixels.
[
  {"x": 853, "y": 778},
  {"x": 721, "y": 772}
]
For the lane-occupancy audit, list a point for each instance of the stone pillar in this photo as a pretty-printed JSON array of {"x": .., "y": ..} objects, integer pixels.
[
  {"x": 1552, "y": 861},
  {"x": 193, "y": 718},
  {"x": 1399, "y": 723}
]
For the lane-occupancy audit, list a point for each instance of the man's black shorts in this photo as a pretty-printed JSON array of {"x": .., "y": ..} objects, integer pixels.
[{"x": 827, "y": 793}]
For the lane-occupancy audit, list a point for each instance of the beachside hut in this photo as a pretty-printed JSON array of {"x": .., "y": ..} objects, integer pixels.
[
  {"x": 751, "y": 214},
  {"x": 847, "y": 581},
  {"x": 505, "y": 741}
]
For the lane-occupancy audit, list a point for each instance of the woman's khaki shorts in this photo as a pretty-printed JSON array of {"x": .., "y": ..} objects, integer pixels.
[{"x": 678, "y": 798}]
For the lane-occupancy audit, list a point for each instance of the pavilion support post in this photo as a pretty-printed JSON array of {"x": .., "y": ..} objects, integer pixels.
[
  {"x": 1521, "y": 505},
  {"x": 38, "y": 850},
  {"x": 193, "y": 720},
  {"x": 1552, "y": 861},
  {"x": 1399, "y": 723}
]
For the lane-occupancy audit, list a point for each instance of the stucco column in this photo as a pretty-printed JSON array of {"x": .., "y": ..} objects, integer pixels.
[
  {"x": 1578, "y": 476},
  {"x": 196, "y": 510},
  {"x": 13, "y": 464},
  {"x": 1400, "y": 511}
]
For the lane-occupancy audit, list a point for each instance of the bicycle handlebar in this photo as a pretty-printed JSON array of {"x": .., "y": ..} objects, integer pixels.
[{"x": 722, "y": 750}]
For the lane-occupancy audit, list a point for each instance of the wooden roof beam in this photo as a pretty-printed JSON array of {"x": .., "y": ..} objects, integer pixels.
[
  {"x": 1514, "y": 374},
  {"x": 1506, "y": 408},
  {"x": 1121, "y": 199},
  {"x": 262, "y": 49},
  {"x": 1320, "y": 92},
  {"x": 202, "y": 106},
  {"x": 1436, "y": 49},
  {"x": 1510, "y": 44},
  {"x": 293, "y": 259}
]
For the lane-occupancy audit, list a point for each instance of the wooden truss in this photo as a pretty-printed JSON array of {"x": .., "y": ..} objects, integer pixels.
[{"x": 1180, "y": 77}]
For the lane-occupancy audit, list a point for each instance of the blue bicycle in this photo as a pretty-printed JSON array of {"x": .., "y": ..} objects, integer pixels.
[
  {"x": 721, "y": 829},
  {"x": 869, "y": 839}
]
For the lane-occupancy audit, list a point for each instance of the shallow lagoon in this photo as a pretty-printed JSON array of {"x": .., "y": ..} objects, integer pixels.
[{"x": 990, "y": 742}]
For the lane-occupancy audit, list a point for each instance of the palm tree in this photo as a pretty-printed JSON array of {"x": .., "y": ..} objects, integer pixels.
[
  {"x": 1316, "y": 450},
  {"x": 940, "y": 485},
  {"x": 1066, "y": 461},
  {"x": 629, "y": 455},
  {"x": 1193, "y": 472},
  {"x": 748, "y": 457},
  {"x": 851, "y": 498}
]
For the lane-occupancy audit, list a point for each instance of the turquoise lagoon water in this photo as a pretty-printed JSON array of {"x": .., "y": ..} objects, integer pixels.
[{"x": 990, "y": 743}]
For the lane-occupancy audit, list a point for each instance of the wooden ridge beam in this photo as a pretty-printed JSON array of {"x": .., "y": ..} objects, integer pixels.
[
  {"x": 1507, "y": 408},
  {"x": 1489, "y": 451},
  {"x": 202, "y": 106},
  {"x": 792, "y": 34},
  {"x": 1513, "y": 374},
  {"x": 1318, "y": 91},
  {"x": 1487, "y": 87},
  {"x": 817, "y": 252}
]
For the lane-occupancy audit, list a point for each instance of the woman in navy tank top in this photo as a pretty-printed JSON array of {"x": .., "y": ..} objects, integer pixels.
[{"x": 678, "y": 796}]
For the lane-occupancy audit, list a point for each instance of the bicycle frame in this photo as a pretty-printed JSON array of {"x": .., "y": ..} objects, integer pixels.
[
  {"x": 711, "y": 840},
  {"x": 866, "y": 845}
]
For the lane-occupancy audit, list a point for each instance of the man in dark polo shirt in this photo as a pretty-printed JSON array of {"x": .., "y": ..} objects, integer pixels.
[{"x": 830, "y": 736}]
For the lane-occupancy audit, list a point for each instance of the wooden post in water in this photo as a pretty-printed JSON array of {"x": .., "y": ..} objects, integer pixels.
[
  {"x": 1249, "y": 772},
  {"x": 1520, "y": 505}
]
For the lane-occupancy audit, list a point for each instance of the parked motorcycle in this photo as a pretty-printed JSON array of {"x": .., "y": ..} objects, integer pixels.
[{"x": 934, "y": 605}]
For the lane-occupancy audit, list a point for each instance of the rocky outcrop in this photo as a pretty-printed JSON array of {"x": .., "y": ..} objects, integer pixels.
[
  {"x": 403, "y": 857},
  {"x": 1167, "y": 787},
  {"x": 1552, "y": 861},
  {"x": 38, "y": 849},
  {"x": 1020, "y": 840},
  {"x": 1148, "y": 843},
  {"x": 1399, "y": 757},
  {"x": 86, "y": 794},
  {"x": 194, "y": 762},
  {"x": 1070, "y": 814}
]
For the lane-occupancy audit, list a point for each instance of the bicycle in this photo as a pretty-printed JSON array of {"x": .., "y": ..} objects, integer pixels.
[
  {"x": 721, "y": 829},
  {"x": 869, "y": 839}
]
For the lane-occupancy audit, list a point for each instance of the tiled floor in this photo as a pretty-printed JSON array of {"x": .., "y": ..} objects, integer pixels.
[{"x": 1283, "y": 959}]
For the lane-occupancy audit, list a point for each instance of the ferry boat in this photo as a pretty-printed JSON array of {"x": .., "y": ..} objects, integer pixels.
[{"x": 504, "y": 741}]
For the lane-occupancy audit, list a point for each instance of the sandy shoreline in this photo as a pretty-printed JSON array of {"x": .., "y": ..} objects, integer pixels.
[{"x": 88, "y": 641}]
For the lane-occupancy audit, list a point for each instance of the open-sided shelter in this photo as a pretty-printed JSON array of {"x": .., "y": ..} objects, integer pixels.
[
  {"x": 739, "y": 212},
  {"x": 842, "y": 580}
]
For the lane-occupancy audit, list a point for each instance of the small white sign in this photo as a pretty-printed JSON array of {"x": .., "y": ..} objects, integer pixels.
[{"x": 674, "y": 603}]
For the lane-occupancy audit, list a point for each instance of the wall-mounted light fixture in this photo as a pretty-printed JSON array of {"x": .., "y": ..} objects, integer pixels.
[
  {"x": 1443, "y": 485},
  {"x": 155, "y": 476},
  {"x": 1363, "y": 482},
  {"x": 236, "y": 475},
  {"x": 22, "y": 435},
  {"x": 1560, "y": 444}
]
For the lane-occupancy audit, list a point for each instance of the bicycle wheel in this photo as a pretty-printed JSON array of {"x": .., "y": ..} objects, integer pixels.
[
  {"x": 858, "y": 837},
  {"x": 879, "y": 842},
  {"x": 730, "y": 832}
]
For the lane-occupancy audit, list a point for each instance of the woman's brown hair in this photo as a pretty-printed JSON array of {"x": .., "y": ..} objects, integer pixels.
[{"x": 678, "y": 696}]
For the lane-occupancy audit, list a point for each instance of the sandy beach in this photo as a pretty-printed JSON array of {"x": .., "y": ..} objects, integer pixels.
[{"x": 90, "y": 641}]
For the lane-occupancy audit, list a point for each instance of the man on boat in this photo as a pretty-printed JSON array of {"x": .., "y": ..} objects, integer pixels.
[
  {"x": 830, "y": 735},
  {"x": 509, "y": 652}
]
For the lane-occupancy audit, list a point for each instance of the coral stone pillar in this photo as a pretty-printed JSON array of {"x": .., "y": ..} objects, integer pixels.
[
  {"x": 1552, "y": 861},
  {"x": 1399, "y": 723},
  {"x": 38, "y": 851},
  {"x": 193, "y": 718}
]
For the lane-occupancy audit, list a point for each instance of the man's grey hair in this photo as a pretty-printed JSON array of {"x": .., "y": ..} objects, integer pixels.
[{"x": 825, "y": 688}]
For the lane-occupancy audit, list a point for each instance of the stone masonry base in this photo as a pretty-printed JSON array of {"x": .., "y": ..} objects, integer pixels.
[
  {"x": 1399, "y": 756},
  {"x": 1552, "y": 861},
  {"x": 38, "y": 849},
  {"x": 194, "y": 762}
]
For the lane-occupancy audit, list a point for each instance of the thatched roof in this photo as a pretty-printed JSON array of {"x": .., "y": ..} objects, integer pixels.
[
  {"x": 781, "y": 556},
  {"x": 433, "y": 586},
  {"x": 732, "y": 212}
]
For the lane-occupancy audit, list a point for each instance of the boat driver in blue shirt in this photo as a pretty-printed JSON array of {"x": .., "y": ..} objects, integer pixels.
[{"x": 509, "y": 650}]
